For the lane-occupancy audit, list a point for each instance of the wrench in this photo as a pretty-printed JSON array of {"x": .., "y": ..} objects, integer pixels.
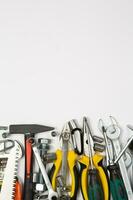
[
  {"x": 52, "y": 195},
  {"x": 62, "y": 187},
  {"x": 113, "y": 133},
  {"x": 65, "y": 139}
]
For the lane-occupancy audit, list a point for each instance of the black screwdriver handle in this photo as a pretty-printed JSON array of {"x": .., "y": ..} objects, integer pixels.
[{"x": 28, "y": 189}]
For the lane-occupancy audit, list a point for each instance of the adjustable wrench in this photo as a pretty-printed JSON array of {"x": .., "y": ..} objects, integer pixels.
[
  {"x": 113, "y": 133},
  {"x": 52, "y": 195}
]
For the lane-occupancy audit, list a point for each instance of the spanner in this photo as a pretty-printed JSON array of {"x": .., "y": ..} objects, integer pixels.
[
  {"x": 65, "y": 139},
  {"x": 113, "y": 133},
  {"x": 61, "y": 179},
  {"x": 52, "y": 195}
]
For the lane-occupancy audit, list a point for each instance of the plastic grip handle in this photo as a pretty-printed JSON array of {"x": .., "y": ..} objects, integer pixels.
[
  {"x": 28, "y": 192},
  {"x": 28, "y": 185},
  {"x": 18, "y": 191},
  {"x": 28, "y": 157},
  {"x": 95, "y": 189},
  {"x": 117, "y": 186},
  {"x": 72, "y": 158},
  {"x": 56, "y": 168},
  {"x": 84, "y": 163},
  {"x": 76, "y": 175},
  {"x": 97, "y": 158}
]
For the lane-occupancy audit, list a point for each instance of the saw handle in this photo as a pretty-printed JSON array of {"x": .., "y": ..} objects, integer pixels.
[{"x": 18, "y": 191}]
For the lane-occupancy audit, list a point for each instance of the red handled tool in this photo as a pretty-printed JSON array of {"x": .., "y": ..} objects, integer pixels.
[{"x": 29, "y": 130}]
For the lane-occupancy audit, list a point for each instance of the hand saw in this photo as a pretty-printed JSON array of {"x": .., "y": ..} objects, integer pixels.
[{"x": 10, "y": 172}]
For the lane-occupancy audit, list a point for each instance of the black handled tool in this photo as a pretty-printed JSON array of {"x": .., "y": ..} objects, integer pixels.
[{"x": 117, "y": 187}]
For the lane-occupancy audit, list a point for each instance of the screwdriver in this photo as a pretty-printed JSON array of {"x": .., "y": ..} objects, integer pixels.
[
  {"x": 95, "y": 189},
  {"x": 117, "y": 186}
]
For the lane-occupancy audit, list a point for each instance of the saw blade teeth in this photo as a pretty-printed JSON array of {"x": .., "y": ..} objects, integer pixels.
[
  {"x": 13, "y": 196},
  {"x": 13, "y": 161}
]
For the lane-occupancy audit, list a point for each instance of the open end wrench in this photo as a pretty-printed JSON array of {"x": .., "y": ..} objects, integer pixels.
[
  {"x": 113, "y": 133},
  {"x": 52, "y": 195}
]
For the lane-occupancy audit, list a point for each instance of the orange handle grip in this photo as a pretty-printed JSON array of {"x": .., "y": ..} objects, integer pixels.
[{"x": 18, "y": 191}]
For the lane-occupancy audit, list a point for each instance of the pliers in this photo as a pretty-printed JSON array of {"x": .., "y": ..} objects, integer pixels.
[
  {"x": 85, "y": 163},
  {"x": 66, "y": 159}
]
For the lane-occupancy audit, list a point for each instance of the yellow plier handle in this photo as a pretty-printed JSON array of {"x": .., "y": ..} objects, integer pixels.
[
  {"x": 56, "y": 168},
  {"x": 72, "y": 158},
  {"x": 84, "y": 162},
  {"x": 97, "y": 158}
]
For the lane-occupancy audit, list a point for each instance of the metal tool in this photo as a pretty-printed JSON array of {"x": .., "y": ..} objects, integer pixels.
[
  {"x": 131, "y": 144},
  {"x": 43, "y": 147},
  {"x": 11, "y": 160},
  {"x": 52, "y": 195},
  {"x": 130, "y": 147},
  {"x": 92, "y": 172},
  {"x": 97, "y": 139},
  {"x": 28, "y": 130},
  {"x": 99, "y": 147},
  {"x": 113, "y": 133},
  {"x": 124, "y": 149},
  {"x": 6, "y": 145},
  {"x": 40, "y": 187},
  {"x": 49, "y": 157},
  {"x": 65, "y": 139},
  {"x": 66, "y": 162},
  {"x": 76, "y": 136},
  {"x": 117, "y": 186},
  {"x": 61, "y": 188}
]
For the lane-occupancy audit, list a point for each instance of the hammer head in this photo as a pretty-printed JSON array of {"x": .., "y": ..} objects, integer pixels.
[{"x": 28, "y": 128}]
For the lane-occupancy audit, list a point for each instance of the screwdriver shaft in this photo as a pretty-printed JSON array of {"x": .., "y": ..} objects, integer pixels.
[{"x": 123, "y": 150}]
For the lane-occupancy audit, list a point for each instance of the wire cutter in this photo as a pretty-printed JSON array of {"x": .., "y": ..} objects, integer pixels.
[
  {"x": 66, "y": 159},
  {"x": 94, "y": 183}
]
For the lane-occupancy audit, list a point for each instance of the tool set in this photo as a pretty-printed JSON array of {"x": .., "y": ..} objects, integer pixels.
[{"x": 75, "y": 164}]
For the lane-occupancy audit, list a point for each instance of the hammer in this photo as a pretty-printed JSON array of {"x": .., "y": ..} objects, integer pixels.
[{"x": 29, "y": 131}]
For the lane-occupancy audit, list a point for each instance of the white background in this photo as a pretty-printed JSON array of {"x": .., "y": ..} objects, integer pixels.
[{"x": 64, "y": 59}]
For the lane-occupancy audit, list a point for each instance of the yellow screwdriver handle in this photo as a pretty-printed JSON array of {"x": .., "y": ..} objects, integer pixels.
[
  {"x": 72, "y": 159},
  {"x": 97, "y": 158},
  {"x": 57, "y": 166},
  {"x": 84, "y": 162}
]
